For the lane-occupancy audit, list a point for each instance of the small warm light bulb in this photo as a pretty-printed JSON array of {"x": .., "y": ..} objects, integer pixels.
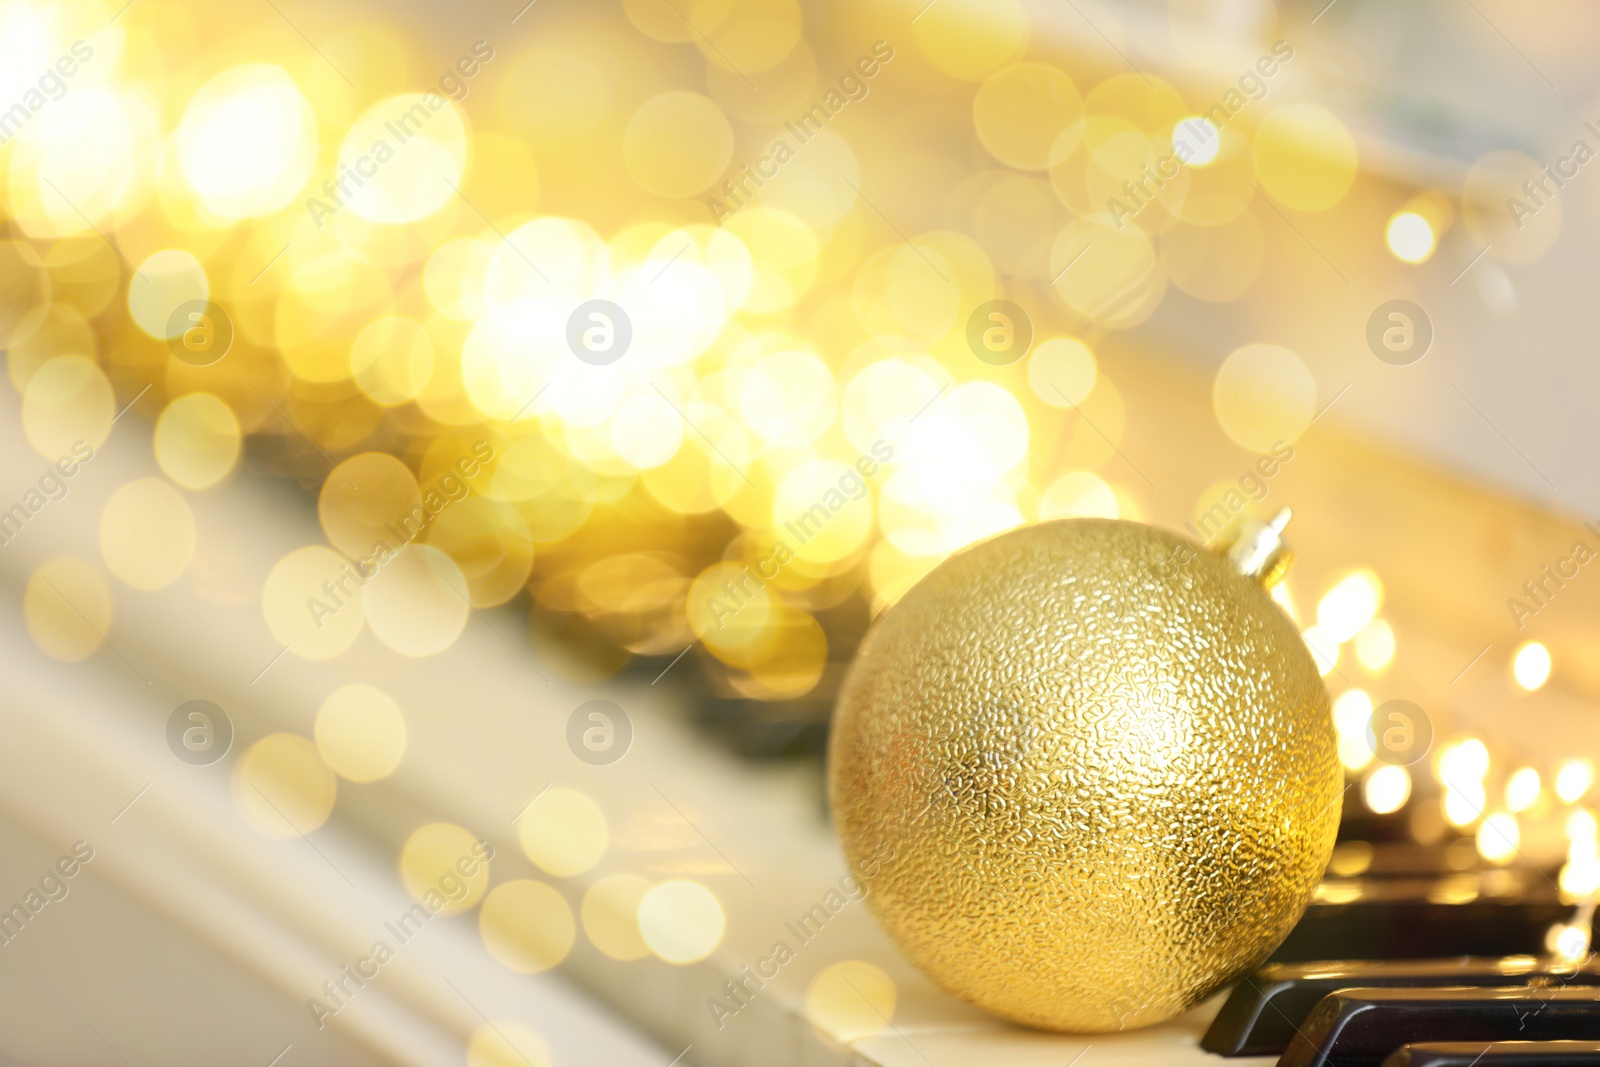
[
  {"x": 1197, "y": 137},
  {"x": 1581, "y": 826},
  {"x": 1352, "y": 712},
  {"x": 1350, "y": 859},
  {"x": 1522, "y": 789},
  {"x": 1568, "y": 942},
  {"x": 1582, "y": 848},
  {"x": 1530, "y": 666},
  {"x": 1573, "y": 779},
  {"x": 1464, "y": 761},
  {"x": 1580, "y": 878},
  {"x": 1463, "y": 802},
  {"x": 1352, "y": 715},
  {"x": 1410, "y": 237},
  {"x": 1350, "y": 605},
  {"x": 1375, "y": 645},
  {"x": 1387, "y": 789},
  {"x": 1499, "y": 837}
]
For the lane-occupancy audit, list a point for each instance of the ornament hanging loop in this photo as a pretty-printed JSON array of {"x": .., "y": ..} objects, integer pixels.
[{"x": 1257, "y": 549}]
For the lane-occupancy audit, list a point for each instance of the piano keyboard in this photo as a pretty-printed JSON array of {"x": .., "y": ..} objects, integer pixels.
[
  {"x": 1497, "y": 1054},
  {"x": 1520, "y": 1010},
  {"x": 1269, "y": 1009}
]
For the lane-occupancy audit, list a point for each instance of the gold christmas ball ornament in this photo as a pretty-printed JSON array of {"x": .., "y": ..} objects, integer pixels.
[{"x": 1091, "y": 769}]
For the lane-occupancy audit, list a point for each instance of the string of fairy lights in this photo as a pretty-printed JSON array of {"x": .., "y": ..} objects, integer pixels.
[{"x": 361, "y": 260}]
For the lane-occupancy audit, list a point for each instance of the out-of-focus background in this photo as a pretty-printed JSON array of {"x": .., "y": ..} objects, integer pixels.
[{"x": 453, "y": 452}]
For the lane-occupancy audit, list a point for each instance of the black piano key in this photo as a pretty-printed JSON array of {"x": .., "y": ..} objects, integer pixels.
[
  {"x": 1496, "y": 1054},
  {"x": 1361, "y": 1027},
  {"x": 1363, "y": 919},
  {"x": 1260, "y": 1016}
]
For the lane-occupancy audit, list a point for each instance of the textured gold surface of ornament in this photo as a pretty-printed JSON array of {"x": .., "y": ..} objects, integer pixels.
[{"x": 1103, "y": 763}]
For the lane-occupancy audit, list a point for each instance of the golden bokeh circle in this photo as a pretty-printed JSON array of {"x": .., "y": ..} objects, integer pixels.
[
  {"x": 417, "y": 602},
  {"x": 68, "y": 402},
  {"x": 677, "y": 144},
  {"x": 361, "y": 732},
  {"x": 753, "y": 37},
  {"x": 312, "y": 602},
  {"x": 247, "y": 141},
  {"x": 166, "y": 281},
  {"x": 411, "y": 149},
  {"x": 823, "y": 510},
  {"x": 1305, "y": 157},
  {"x": 1263, "y": 396},
  {"x": 563, "y": 831},
  {"x": 147, "y": 533},
  {"x": 610, "y": 914},
  {"x": 676, "y": 21},
  {"x": 197, "y": 440},
  {"x": 282, "y": 787},
  {"x": 851, "y": 1000},
  {"x": 681, "y": 920},
  {"x": 1061, "y": 372},
  {"x": 1132, "y": 100},
  {"x": 1220, "y": 191},
  {"x": 67, "y": 606},
  {"x": 1108, "y": 274},
  {"x": 1020, "y": 112},
  {"x": 445, "y": 868},
  {"x": 507, "y": 1043},
  {"x": 491, "y": 544},
  {"x": 392, "y": 359},
  {"x": 527, "y": 926},
  {"x": 1078, "y": 495},
  {"x": 43, "y": 333},
  {"x": 370, "y": 500},
  {"x": 84, "y": 273},
  {"x": 969, "y": 39}
]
